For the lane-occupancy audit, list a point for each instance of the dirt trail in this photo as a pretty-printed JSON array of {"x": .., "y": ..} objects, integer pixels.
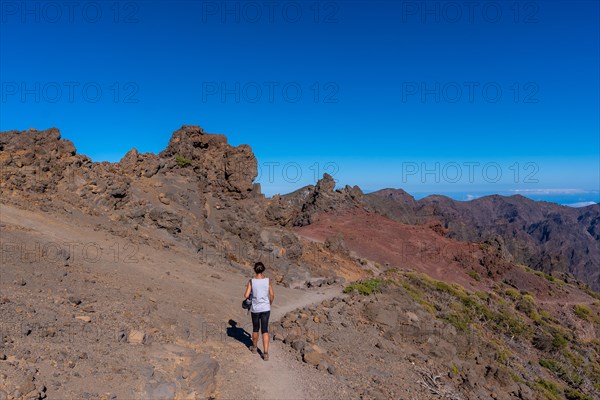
[
  {"x": 246, "y": 375},
  {"x": 185, "y": 291}
]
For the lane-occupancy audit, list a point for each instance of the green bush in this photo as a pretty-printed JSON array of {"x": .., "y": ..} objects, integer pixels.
[
  {"x": 506, "y": 322},
  {"x": 550, "y": 389},
  {"x": 182, "y": 161},
  {"x": 365, "y": 287},
  {"x": 572, "y": 394},
  {"x": 417, "y": 296},
  {"x": 574, "y": 359},
  {"x": 534, "y": 315},
  {"x": 593, "y": 372},
  {"x": 526, "y": 304},
  {"x": 552, "y": 365},
  {"x": 512, "y": 293},
  {"x": 503, "y": 357},
  {"x": 474, "y": 275},
  {"x": 559, "y": 342},
  {"x": 583, "y": 312},
  {"x": 458, "y": 320},
  {"x": 570, "y": 377}
]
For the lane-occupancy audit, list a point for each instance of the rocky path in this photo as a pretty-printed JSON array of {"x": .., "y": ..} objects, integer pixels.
[
  {"x": 183, "y": 305},
  {"x": 247, "y": 375}
]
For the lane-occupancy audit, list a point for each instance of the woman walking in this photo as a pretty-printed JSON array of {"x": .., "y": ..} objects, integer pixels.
[{"x": 262, "y": 297}]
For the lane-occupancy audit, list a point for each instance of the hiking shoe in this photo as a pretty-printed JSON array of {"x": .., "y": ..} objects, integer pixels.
[
  {"x": 266, "y": 356},
  {"x": 252, "y": 349}
]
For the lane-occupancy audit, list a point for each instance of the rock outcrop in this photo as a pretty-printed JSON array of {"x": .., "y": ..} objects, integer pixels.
[
  {"x": 303, "y": 206},
  {"x": 220, "y": 165}
]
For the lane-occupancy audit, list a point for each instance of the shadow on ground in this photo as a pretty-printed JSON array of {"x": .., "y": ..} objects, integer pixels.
[{"x": 238, "y": 333}]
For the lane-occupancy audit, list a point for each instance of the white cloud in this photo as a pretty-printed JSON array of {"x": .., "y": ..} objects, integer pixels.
[
  {"x": 549, "y": 191},
  {"x": 581, "y": 204}
]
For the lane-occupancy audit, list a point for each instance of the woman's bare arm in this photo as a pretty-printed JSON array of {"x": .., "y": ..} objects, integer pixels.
[
  {"x": 271, "y": 293},
  {"x": 248, "y": 290}
]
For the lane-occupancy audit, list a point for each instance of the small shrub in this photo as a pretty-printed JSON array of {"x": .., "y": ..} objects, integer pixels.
[
  {"x": 535, "y": 316},
  {"x": 573, "y": 394},
  {"x": 416, "y": 296},
  {"x": 583, "y": 312},
  {"x": 365, "y": 287},
  {"x": 592, "y": 293},
  {"x": 546, "y": 316},
  {"x": 459, "y": 321},
  {"x": 550, "y": 389},
  {"x": 559, "y": 342},
  {"x": 455, "y": 370},
  {"x": 182, "y": 161},
  {"x": 503, "y": 357},
  {"x": 593, "y": 372},
  {"x": 482, "y": 295},
  {"x": 515, "y": 377},
  {"x": 551, "y": 365},
  {"x": 474, "y": 275},
  {"x": 542, "y": 341},
  {"x": 512, "y": 294},
  {"x": 509, "y": 324},
  {"x": 528, "y": 297},
  {"x": 574, "y": 359},
  {"x": 526, "y": 304}
]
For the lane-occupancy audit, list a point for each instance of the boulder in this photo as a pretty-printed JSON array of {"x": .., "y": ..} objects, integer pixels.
[
  {"x": 312, "y": 357},
  {"x": 166, "y": 220},
  {"x": 202, "y": 377},
  {"x": 136, "y": 337}
]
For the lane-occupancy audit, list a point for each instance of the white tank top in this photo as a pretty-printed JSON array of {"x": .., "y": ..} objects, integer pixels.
[{"x": 260, "y": 295}]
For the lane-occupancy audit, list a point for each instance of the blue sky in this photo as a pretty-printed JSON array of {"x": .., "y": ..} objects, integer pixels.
[{"x": 436, "y": 97}]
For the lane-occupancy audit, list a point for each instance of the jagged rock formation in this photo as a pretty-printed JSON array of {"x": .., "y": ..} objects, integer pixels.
[
  {"x": 301, "y": 207},
  {"x": 219, "y": 165}
]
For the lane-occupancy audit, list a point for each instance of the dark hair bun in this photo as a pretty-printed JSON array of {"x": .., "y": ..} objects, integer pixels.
[{"x": 259, "y": 267}]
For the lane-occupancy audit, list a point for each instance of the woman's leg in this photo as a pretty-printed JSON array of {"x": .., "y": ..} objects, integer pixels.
[
  {"x": 255, "y": 328},
  {"x": 264, "y": 327}
]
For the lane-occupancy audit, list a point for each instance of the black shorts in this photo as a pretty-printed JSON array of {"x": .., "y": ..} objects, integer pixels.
[{"x": 260, "y": 320}]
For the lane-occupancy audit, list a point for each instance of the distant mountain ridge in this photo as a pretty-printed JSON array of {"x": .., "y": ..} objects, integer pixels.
[{"x": 543, "y": 235}]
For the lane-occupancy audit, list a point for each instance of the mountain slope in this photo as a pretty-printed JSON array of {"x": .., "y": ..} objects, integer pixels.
[{"x": 545, "y": 236}]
